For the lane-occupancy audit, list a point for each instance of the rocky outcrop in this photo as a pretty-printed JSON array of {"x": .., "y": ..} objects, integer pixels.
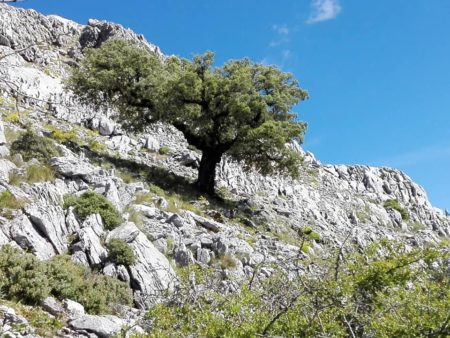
[
  {"x": 152, "y": 275},
  {"x": 254, "y": 232}
]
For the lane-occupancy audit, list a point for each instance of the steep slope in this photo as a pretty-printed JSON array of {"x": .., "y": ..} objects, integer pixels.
[{"x": 147, "y": 177}]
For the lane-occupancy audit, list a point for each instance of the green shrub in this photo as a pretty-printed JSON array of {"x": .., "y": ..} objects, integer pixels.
[
  {"x": 92, "y": 203},
  {"x": 96, "y": 146},
  {"x": 309, "y": 233},
  {"x": 227, "y": 262},
  {"x": 31, "y": 145},
  {"x": 24, "y": 278},
  {"x": 94, "y": 291},
  {"x": 120, "y": 253},
  {"x": 34, "y": 173},
  {"x": 379, "y": 292},
  {"x": 12, "y": 118},
  {"x": 394, "y": 204},
  {"x": 164, "y": 150},
  {"x": 9, "y": 201},
  {"x": 64, "y": 136}
]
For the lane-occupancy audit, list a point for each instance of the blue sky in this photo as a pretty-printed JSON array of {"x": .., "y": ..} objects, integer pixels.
[{"x": 378, "y": 71}]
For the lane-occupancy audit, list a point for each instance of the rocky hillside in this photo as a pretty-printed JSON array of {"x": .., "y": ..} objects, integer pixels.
[{"x": 147, "y": 179}]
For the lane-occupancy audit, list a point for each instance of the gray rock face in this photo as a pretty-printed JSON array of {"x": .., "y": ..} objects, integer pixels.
[
  {"x": 50, "y": 221},
  {"x": 27, "y": 237},
  {"x": 90, "y": 242},
  {"x": 71, "y": 167},
  {"x": 152, "y": 273},
  {"x": 102, "y": 326}
]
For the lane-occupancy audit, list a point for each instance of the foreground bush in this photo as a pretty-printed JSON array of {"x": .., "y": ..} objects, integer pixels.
[
  {"x": 92, "y": 203},
  {"x": 24, "y": 278},
  {"x": 386, "y": 291},
  {"x": 30, "y": 145}
]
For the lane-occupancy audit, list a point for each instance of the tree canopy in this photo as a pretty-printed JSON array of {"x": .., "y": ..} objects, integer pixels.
[{"x": 242, "y": 109}]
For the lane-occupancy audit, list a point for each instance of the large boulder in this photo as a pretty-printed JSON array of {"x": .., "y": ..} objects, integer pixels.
[
  {"x": 22, "y": 231},
  {"x": 152, "y": 272},
  {"x": 103, "y": 326},
  {"x": 50, "y": 221}
]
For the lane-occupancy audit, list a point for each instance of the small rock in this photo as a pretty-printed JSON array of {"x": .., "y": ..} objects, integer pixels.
[
  {"x": 52, "y": 306},
  {"x": 73, "y": 309}
]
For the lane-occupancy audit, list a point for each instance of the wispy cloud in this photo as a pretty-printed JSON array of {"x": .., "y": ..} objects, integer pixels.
[
  {"x": 433, "y": 153},
  {"x": 282, "y": 35},
  {"x": 281, "y": 29},
  {"x": 323, "y": 10}
]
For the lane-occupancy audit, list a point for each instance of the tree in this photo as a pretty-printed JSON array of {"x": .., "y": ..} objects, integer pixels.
[{"x": 241, "y": 109}]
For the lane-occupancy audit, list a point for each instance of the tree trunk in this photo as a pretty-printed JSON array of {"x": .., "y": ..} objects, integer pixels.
[{"x": 207, "y": 171}]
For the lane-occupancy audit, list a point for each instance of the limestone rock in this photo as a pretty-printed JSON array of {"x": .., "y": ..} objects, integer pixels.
[
  {"x": 152, "y": 272},
  {"x": 28, "y": 238},
  {"x": 103, "y": 326},
  {"x": 50, "y": 221}
]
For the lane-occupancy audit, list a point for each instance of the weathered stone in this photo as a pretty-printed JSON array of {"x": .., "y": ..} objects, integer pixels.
[
  {"x": 50, "y": 221},
  {"x": 182, "y": 255},
  {"x": 73, "y": 309},
  {"x": 152, "y": 143},
  {"x": 28, "y": 238},
  {"x": 52, "y": 306},
  {"x": 103, "y": 326},
  {"x": 71, "y": 167},
  {"x": 152, "y": 272}
]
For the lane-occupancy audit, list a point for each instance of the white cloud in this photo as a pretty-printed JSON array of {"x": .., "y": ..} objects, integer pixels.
[
  {"x": 286, "y": 54},
  {"x": 281, "y": 29},
  {"x": 323, "y": 10},
  {"x": 282, "y": 32},
  {"x": 429, "y": 154}
]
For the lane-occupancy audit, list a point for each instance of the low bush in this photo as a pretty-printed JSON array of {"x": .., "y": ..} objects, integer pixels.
[
  {"x": 34, "y": 173},
  {"x": 120, "y": 253},
  {"x": 96, "y": 146},
  {"x": 9, "y": 201},
  {"x": 387, "y": 290},
  {"x": 30, "y": 145},
  {"x": 12, "y": 118},
  {"x": 395, "y": 205},
  {"x": 164, "y": 150},
  {"x": 64, "y": 136},
  {"x": 95, "y": 291},
  {"x": 24, "y": 278},
  {"x": 92, "y": 203}
]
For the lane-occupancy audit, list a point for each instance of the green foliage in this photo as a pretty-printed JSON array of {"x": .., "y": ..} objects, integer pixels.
[
  {"x": 164, "y": 150},
  {"x": 12, "y": 118},
  {"x": 34, "y": 173},
  {"x": 95, "y": 291},
  {"x": 46, "y": 325},
  {"x": 9, "y": 201},
  {"x": 64, "y": 136},
  {"x": 241, "y": 109},
  {"x": 30, "y": 145},
  {"x": 120, "y": 253},
  {"x": 23, "y": 277},
  {"x": 394, "y": 204},
  {"x": 310, "y": 234},
  {"x": 96, "y": 146},
  {"x": 385, "y": 291},
  {"x": 92, "y": 203},
  {"x": 227, "y": 262}
]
